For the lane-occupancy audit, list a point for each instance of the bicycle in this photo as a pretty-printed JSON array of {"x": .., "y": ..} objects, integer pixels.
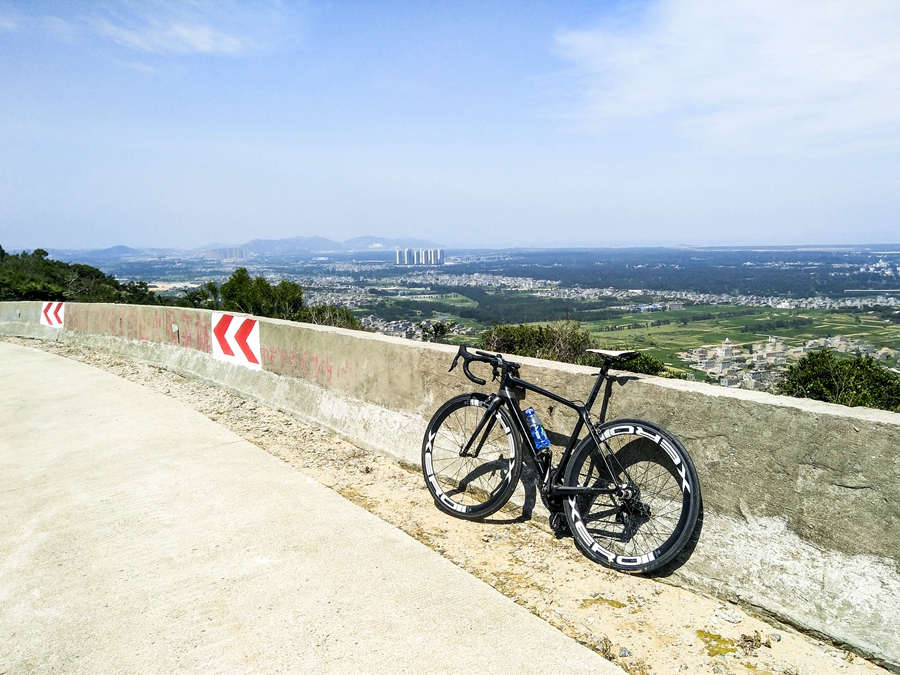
[{"x": 628, "y": 491}]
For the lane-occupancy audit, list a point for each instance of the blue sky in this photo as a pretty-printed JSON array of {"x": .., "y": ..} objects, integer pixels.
[{"x": 466, "y": 123}]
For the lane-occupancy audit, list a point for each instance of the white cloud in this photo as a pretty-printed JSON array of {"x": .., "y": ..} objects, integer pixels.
[
  {"x": 137, "y": 65},
  {"x": 175, "y": 38},
  {"x": 7, "y": 23},
  {"x": 764, "y": 74}
]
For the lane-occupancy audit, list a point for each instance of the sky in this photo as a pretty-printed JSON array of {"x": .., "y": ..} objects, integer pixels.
[{"x": 470, "y": 124}]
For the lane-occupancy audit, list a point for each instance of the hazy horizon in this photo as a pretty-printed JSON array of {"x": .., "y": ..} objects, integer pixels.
[
  {"x": 512, "y": 124},
  {"x": 884, "y": 247}
]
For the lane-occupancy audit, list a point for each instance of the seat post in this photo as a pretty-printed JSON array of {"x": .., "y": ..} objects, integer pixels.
[{"x": 601, "y": 378}]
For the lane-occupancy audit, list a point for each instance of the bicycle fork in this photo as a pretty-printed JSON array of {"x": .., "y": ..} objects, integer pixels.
[{"x": 486, "y": 423}]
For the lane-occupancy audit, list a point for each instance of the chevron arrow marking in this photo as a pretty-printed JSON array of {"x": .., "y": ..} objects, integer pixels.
[
  {"x": 220, "y": 330},
  {"x": 52, "y": 314},
  {"x": 241, "y": 338},
  {"x": 236, "y": 340}
]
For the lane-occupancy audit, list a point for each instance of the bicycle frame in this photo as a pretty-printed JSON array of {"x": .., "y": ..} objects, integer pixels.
[{"x": 550, "y": 478}]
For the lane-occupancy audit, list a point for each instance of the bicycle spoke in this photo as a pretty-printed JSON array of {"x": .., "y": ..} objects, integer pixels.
[
  {"x": 649, "y": 521},
  {"x": 473, "y": 477}
]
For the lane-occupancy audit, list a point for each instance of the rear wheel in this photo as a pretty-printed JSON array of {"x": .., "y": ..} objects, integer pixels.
[
  {"x": 471, "y": 482},
  {"x": 649, "y": 524}
]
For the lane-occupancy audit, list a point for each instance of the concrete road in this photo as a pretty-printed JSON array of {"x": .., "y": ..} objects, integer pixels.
[{"x": 137, "y": 536}]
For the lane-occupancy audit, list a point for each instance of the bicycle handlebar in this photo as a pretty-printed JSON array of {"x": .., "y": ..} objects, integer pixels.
[
  {"x": 474, "y": 378},
  {"x": 496, "y": 360}
]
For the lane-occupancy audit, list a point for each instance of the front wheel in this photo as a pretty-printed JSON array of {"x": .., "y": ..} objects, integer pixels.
[
  {"x": 470, "y": 477},
  {"x": 652, "y": 519}
]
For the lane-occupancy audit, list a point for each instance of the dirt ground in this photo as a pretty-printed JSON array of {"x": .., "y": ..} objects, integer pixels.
[{"x": 643, "y": 625}]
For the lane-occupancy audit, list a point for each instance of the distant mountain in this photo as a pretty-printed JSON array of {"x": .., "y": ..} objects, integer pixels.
[
  {"x": 113, "y": 252},
  {"x": 301, "y": 245},
  {"x": 382, "y": 244},
  {"x": 292, "y": 246}
]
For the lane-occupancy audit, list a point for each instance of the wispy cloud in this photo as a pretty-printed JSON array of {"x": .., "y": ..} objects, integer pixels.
[
  {"x": 214, "y": 27},
  {"x": 137, "y": 65},
  {"x": 176, "y": 38},
  {"x": 766, "y": 74},
  {"x": 7, "y": 23}
]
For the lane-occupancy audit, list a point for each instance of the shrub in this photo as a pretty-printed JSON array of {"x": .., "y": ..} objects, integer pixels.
[
  {"x": 563, "y": 341},
  {"x": 330, "y": 315},
  {"x": 858, "y": 381}
]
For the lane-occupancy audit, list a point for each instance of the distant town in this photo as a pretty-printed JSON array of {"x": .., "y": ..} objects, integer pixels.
[{"x": 700, "y": 310}]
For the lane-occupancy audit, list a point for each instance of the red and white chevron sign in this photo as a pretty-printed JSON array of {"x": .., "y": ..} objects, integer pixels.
[
  {"x": 53, "y": 314},
  {"x": 236, "y": 340}
]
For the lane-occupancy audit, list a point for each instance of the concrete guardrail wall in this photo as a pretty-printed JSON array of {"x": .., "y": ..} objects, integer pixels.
[{"x": 801, "y": 520}]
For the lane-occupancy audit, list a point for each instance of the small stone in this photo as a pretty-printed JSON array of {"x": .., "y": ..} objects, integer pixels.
[
  {"x": 728, "y": 615},
  {"x": 775, "y": 636},
  {"x": 624, "y": 651}
]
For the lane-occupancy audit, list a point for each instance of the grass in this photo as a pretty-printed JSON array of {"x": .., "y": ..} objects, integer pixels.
[{"x": 666, "y": 341}]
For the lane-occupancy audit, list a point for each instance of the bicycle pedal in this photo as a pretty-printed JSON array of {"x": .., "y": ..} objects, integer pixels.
[{"x": 558, "y": 523}]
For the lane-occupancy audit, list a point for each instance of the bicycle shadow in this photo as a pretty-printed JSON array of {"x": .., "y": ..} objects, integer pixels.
[
  {"x": 621, "y": 380},
  {"x": 529, "y": 480}
]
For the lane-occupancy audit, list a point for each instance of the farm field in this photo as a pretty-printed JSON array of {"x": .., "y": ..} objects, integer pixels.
[
  {"x": 661, "y": 334},
  {"x": 687, "y": 329}
]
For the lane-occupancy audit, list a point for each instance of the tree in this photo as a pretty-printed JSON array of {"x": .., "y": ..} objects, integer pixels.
[
  {"x": 257, "y": 296},
  {"x": 241, "y": 293},
  {"x": 435, "y": 332},
  {"x": 205, "y": 296},
  {"x": 33, "y": 276},
  {"x": 858, "y": 381}
]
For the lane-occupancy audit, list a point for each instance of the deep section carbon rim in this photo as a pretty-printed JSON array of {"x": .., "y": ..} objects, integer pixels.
[
  {"x": 648, "y": 527},
  {"x": 477, "y": 482}
]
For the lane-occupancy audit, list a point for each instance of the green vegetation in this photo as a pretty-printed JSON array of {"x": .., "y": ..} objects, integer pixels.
[
  {"x": 435, "y": 332},
  {"x": 32, "y": 276},
  {"x": 858, "y": 381},
  {"x": 716, "y": 645},
  {"x": 472, "y": 305},
  {"x": 563, "y": 341},
  {"x": 771, "y": 327},
  {"x": 257, "y": 296},
  {"x": 666, "y": 334}
]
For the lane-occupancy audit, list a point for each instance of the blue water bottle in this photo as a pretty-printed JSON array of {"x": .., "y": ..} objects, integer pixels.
[{"x": 537, "y": 430}]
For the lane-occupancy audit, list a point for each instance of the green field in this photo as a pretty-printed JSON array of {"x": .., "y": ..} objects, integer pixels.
[
  {"x": 666, "y": 341},
  {"x": 682, "y": 330}
]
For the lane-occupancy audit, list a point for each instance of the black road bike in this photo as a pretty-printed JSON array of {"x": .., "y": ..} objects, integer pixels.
[{"x": 628, "y": 491}]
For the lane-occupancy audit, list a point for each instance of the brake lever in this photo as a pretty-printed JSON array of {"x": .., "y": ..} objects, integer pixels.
[{"x": 455, "y": 361}]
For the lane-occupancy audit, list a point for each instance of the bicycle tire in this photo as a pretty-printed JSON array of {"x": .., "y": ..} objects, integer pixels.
[
  {"x": 647, "y": 532},
  {"x": 470, "y": 487}
]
